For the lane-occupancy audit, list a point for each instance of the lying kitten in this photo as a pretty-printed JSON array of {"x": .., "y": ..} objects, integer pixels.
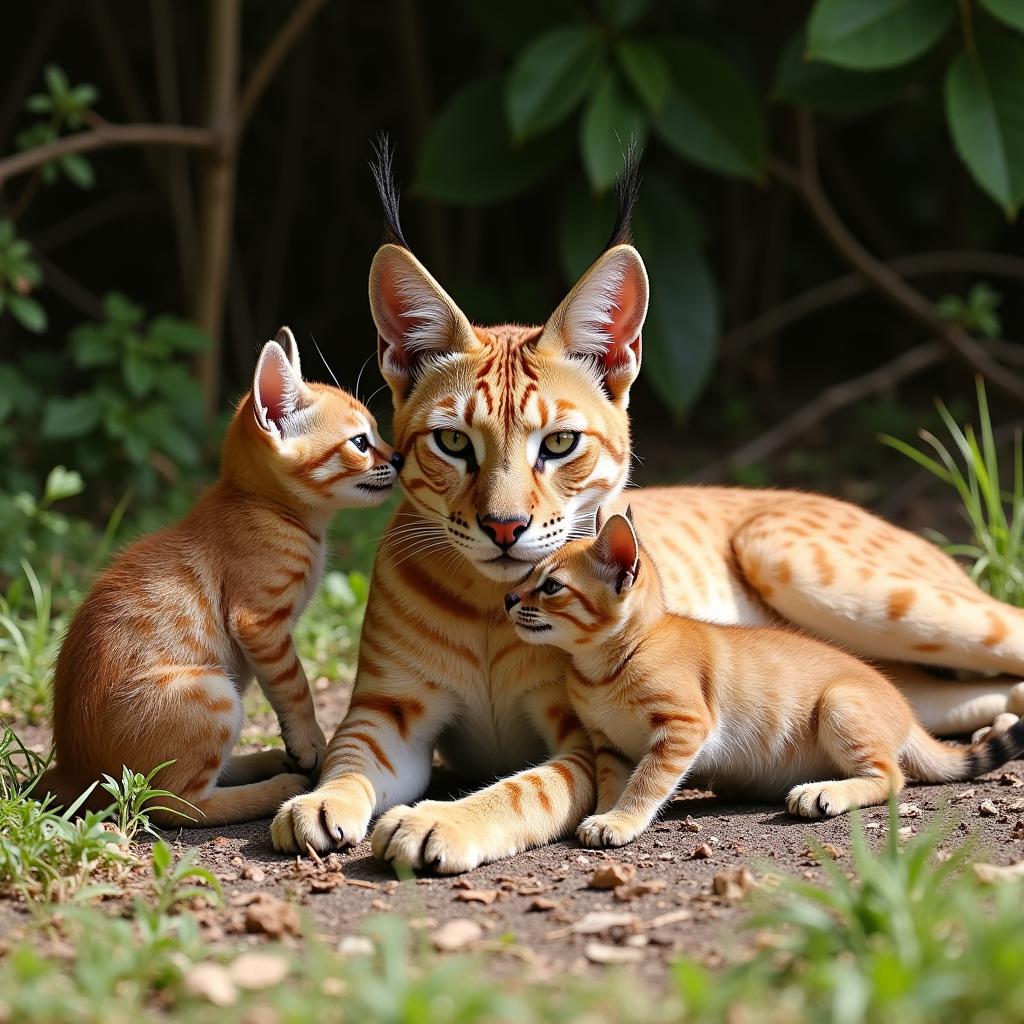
[
  {"x": 157, "y": 658},
  {"x": 755, "y": 710}
]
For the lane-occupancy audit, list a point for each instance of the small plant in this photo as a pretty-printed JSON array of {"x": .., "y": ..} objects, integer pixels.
[
  {"x": 975, "y": 313},
  {"x": 995, "y": 516},
  {"x": 19, "y": 275},
  {"x": 170, "y": 879},
  {"x": 132, "y": 797}
]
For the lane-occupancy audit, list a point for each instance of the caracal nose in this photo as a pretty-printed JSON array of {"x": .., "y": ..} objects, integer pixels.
[
  {"x": 397, "y": 460},
  {"x": 504, "y": 530},
  {"x": 511, "y": 600}
]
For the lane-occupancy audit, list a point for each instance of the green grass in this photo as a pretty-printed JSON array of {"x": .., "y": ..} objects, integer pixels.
[{"x": 994, "y": 513}]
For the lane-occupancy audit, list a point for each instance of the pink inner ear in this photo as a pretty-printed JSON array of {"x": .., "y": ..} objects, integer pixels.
[
  {"x": 624, "y": 330},
  {"x": 393, "y": 311},
  {"x": 275, "y": 395},
  {"x": 621, "y": 543}
]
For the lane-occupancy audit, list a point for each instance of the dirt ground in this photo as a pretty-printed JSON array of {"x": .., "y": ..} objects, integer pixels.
[{"x": 678, "y": 893}]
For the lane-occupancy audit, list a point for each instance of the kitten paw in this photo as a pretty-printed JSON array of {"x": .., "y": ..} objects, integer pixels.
[
  {"x": 600, "y": 830},
  {"x": 432, "y": 836},
  {"x": 815, "y": 800},
  {"x": 332, "y": 817},
  {"x": 307, "y": 750}
]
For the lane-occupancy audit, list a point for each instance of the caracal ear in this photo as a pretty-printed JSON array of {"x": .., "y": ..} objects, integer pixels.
[
  {"x": 278, "y": 394},
  {"x": 602, "y": 318},
  {"x": 286, "y": 340},
  {"x": 618, "y": 549},
  {"x": 414, "y": 315}
]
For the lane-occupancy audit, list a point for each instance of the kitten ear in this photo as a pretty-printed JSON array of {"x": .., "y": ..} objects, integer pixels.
[
  {"x": 286, "y": 340},
  {"x": 598, "y": 520},
  {"x": 619, "y": 549},
  {"x": 277, "y": 389},
  {"x": 414, "y": 315},
  {"x": 602, "y": 317}
]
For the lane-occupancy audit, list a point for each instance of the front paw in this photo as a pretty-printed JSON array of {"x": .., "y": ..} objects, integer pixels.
[
  {"x": 306, "y": 749},
  {"x": 331, "y": 817},
  {"x": 600, "y": 830},
  {"x": 815, "y": 800},
  {"x": 432, "y": 836}
]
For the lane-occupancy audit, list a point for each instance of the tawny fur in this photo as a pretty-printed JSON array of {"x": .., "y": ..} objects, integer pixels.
[
  {"x": 158, "y": 656},
  {"x": 761, "y": 711},
  {"x": 440, "y": 665}
]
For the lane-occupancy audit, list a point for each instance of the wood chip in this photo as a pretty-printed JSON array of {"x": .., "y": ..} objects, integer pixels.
[
  {"x": 599, "y": 922},
  {"x": 600, "y": 953},
  {"x": 612, "y": 875},
  {"x": 456, "y": 934},
  {"x": 671, "y": 917},
  {"x": 326, "y": 883},
  {"x": 477, "y": 895}
]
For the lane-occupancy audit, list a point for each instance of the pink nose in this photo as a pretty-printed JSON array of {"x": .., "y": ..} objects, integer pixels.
[{"x": 504, "y": 530}]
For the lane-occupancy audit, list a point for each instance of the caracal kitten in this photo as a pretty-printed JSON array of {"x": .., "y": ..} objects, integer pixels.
[
  {"x": 158, "y": 656},
  {"x": 762, "y": 711}
]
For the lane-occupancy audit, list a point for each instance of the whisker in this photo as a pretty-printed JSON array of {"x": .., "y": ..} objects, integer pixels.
[
  {"x": 359, "y": 376},
  {"x": 324, "y": 361}
]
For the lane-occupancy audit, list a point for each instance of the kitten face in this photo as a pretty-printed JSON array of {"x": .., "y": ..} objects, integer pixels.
[{"x": 580, "y": 595}]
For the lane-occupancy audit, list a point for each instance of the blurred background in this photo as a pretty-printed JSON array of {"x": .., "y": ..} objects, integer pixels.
[{"x": 828, "y": 214}]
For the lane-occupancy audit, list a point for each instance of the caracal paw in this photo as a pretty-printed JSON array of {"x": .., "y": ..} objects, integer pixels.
[
  {"x": 601, "y": 830},
  {"x": 434, "y": 835},
  {"x": 332, "y": 817},
  {"x": 307, "y": 749},
  {"x": 816, "y": 800}
]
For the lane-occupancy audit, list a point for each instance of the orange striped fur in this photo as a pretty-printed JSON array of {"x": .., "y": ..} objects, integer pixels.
[
  {"x": 157, "y": 659},
  {"x": 752, "y": 710},
  {"x": 513, "y": 437}
]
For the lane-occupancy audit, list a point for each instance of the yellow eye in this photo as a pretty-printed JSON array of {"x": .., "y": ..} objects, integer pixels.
[
  {"x": 559, "y": 444},
  {"x": 454, "y": 442}
]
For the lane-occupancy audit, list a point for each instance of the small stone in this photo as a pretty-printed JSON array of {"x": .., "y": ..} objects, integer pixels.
[
  {"x": 702, "y": 852},
  {"x": 599, "y": 953},
  {"x": 733, "y": 883},
  {"x": 987, "y": 809},
  {"x": 271, "y": 916},
  {"x": 612, "y": 875},
  {"x": 992, "y": 873},
  {"x": 690, "y": 825},
  {"x": 1011, "y": 779},
  {"x": 1016, "y": 806},
  {"x": 963, "y": 796},
  {"x": 254, "y": 971},
  {"x": 626, "y": 893},
  {"x": 485, "y": 896},
  {"x": 254, "y": 874},
  {"x": 456, "y": 934},
  {"x": 541, "y": 905},
  {"x": 909, "y": 811},
  {"x": 355, "y": 945},
  {"x": 211, "y": 982}
]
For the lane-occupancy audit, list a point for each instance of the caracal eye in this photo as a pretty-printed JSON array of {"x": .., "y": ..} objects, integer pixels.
[
  {"x": 454, "y": 442},
  {"x": 552, "y": 586},
  {"x": 559, "y": 444},
  {"x": 361, "y": 442}
]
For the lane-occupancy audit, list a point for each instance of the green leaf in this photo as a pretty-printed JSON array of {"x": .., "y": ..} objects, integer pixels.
[
  {"x": 56, "y": 80},
  {"x": 985, "y": 111},
  {"x": 39, "y": 103},
  {"x": 550, "y": 78},
  {"x": 179, "y": 335},
  {"x": 585, "y": 226},
  {"x": 621, "y": 13},
  {"x": 179, "y": 445},
  {"x": 70, "y": 417},
  {"x": 84, "y": 95},
  {"x": 712, "y": 116},
  {"x": 27, "y": 312},
  {"x": 62, "y": 483},
  {"x": 646, "y": 70},
  {"x": 92, "y": 346},
  {"x": 1009, "y": 11},
  {"x": 121, "y": 310},
  {"x": 610, "y": 120},
  {"x": 78, "y": 170},
  {"x": 820, "y": 86},
  {"x": 139, "y": 373},
  {"x": 872, "y": 34},
  {"x": 681, "y": 332},
  {"x": 467, "y": 157}
]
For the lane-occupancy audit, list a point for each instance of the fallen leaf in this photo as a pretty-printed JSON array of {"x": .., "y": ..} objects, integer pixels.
[
  {"x": 997, "y": 872},
  {"x": 599, "y": 953},
  {"x": 702, "y": 852},
  {"x": 256, "y": 970},
  {"x": 612, "y": 875},
  {"x": 987, "y": 809},
  {"x": 271, "y": 916},
  {"x": 456, "y": 934},
  {"x": 733, "y": 883},
  {"x": 486, "y": 896},
  {"x": 212, "y": 983}
]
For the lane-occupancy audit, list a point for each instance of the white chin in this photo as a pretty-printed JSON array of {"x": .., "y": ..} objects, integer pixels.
[
  {"x": 361, "y": 497},
  {"x": 504, "y": 569}
]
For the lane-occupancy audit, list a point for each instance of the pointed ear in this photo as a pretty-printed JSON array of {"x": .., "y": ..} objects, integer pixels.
[
  {"x": 277, "y": 390},
  {"x": 598, "y": 520},
  {"x": 602, "y": 318},
  {"x": 618, "y": 548},
  {"x": 286, "y": 340},
  {"x": 415, "y": 317}
]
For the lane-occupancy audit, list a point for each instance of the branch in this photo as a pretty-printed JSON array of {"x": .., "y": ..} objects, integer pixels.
[
  {"x": 271, "y": 58},
  {"x": 105, "y": 137},
  {"x": 883, "y": 278},
  {"x": 825, "y": 404},
  {"x": 849, "y": 286}
]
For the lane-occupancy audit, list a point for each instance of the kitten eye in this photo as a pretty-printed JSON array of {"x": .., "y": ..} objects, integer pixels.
[
  {"x": 551, "y": 586},
  {"x": 453, "y": 442},
  {"x": 361, "y": 441},
  {"x": 559, "y": 444}
]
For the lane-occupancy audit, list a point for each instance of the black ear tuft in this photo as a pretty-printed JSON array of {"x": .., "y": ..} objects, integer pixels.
[
  {"x": 629, "y": 512},
  {"x": 383, "y": 177},
  {"x": 627, "y": 191}
]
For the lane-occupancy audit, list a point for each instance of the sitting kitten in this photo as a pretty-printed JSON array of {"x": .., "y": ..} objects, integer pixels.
[
  {"x": 158, "y": 656},
  {"x": 761, "y": 710}
]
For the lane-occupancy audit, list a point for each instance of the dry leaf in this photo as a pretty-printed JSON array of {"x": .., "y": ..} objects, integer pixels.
[
  {"x": 612, "y": 875},
  {"x": 456, "y": 934},
  {"x": 477, "y": 895},
  {"x": 599, "y": 953}
]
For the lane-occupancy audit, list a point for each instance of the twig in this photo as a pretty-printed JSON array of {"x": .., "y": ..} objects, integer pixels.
[
  {"x": 882, "y": 277},
  {"x": 106, "y": 136},
  {"x": 271, "y": 58},
  {"x": 851, "y": 285},
  {"x": 825, "y": 404}
]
